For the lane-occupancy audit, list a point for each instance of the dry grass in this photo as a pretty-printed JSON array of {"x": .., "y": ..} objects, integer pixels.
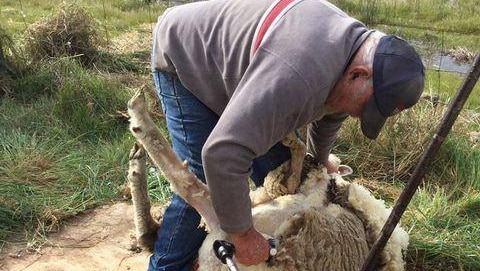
[
  {"x": 134, "y": 41},
  {"x": 462, "y": 55},
  {"x": 71, "y": 32},
  {"x": 394, "y": 155}
]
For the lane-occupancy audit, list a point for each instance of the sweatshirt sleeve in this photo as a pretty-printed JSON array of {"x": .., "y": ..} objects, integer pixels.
[
  {"x": 321, "y": 135},
  {"x": 270, "y": 101}
]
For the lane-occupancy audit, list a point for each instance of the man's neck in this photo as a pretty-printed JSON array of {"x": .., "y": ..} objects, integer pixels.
[{"x": 336, "y": 99}]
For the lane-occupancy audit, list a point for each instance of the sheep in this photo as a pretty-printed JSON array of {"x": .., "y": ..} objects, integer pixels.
[{"x": 327, "y": 224}]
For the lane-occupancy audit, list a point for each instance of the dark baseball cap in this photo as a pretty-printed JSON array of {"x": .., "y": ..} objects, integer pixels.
[{"x": 398, "y": 81}]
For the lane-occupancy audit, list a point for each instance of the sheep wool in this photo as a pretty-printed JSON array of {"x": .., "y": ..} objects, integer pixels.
[{"x": 318, "y": 230}]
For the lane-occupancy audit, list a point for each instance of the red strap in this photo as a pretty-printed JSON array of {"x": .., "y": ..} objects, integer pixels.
[{"x": 269, "y": 20}]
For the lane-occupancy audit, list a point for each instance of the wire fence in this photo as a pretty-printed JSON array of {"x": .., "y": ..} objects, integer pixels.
[
  {"x": 420, "y": 20},
  {"x": 445, "y": 32}
]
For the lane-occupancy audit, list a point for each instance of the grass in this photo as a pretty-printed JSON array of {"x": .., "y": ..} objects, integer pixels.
[
  {"x": 71, "y": 32},
  {"x": 48, "y": 172},
  {"x": 446, "y": 84},
  {"x": 114, "y": 17},
  {"x": 438, "y": 23},
  {"x": 445, "y": 232},
  {"x": 64, "y": 145}
]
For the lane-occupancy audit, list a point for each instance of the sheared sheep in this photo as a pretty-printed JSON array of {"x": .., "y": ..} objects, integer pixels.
[{"x": 328, "y": 224}]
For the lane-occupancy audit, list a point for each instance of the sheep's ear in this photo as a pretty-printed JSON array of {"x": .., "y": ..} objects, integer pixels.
[{"x": 344, "y": 170}]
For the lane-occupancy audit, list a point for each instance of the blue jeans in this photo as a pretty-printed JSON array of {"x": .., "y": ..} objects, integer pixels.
[{"x": 190, "y": 122}]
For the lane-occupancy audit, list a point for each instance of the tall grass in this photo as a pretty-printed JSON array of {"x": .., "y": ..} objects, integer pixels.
[
  {"x": 11, "y": 64},
  {"x": 45, "y": 180},
  {"x": 446, "y": 84},
  {"x": 88, "y": 104},
  {"x": 444, "y": 230},
  {"x": 63, "y": 136},
  {"x": 63, "y": 152}
]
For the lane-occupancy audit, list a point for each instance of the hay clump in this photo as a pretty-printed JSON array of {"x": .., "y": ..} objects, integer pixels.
[{"x": 71, "y": 32}]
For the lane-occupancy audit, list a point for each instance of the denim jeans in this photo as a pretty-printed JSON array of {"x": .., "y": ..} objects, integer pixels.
[{"x": 189, "y": 123}]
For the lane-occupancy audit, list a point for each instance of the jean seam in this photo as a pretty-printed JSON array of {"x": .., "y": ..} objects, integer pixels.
[
  {"x": 175, "y": 231},
  {"x": 158, "y": 84},
  {"x": 187, "y": 141}
]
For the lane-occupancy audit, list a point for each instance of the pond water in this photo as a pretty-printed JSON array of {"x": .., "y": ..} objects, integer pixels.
[{"x": 447, "y": 63}]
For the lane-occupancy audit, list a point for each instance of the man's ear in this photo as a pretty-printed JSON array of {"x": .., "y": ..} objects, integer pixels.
[{"x": 359, "y": 71}]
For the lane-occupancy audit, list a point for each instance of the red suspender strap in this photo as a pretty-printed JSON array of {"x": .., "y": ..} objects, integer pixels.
[{"x": 269, "y": 19}]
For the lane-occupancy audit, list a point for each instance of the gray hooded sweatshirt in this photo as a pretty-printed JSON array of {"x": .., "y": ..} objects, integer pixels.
[{"x": 259, "y": 96}]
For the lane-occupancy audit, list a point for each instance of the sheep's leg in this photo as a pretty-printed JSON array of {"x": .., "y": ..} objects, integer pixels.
[
  {"x": 182, "y": 181},
  {"x": 298, "y": 151},
  {"x": 259, "y": 196},
  {"x": 145, "y": 226},
  {"x": 286, "y": 179}
]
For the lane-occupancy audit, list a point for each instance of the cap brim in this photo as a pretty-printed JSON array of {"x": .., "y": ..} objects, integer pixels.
[{"x": 372, "y": 120}]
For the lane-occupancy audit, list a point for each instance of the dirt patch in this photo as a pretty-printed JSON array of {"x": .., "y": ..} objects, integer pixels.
[{"x": 98, "y": 240}]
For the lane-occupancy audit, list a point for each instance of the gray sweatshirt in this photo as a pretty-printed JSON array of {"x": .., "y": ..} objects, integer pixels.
[{"x": 262, "y": 97}]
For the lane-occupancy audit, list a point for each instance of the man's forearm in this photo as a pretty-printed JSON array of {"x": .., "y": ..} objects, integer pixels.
[
  {"x": 321, "y": 135},
  {"x": 226, "y": 170}
]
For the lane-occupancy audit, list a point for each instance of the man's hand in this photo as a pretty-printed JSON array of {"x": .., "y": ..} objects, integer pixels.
[
  {"x": 250, "y": 247},
  {"x": 332, "y": 167}
]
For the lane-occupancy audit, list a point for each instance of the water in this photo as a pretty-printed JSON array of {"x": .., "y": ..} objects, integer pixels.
[{"x": 447, "y": 63}]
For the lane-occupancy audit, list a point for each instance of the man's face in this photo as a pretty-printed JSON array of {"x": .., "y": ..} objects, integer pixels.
[{"x": 362, "y": 91}]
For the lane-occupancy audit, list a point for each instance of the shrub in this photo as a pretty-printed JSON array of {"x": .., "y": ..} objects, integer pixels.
[{"x": 71, "y": 32}]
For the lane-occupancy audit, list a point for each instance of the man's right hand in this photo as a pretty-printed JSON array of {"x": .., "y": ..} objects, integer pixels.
[
  {"x": 250, "y": 247},
  {"x": 331, "y": 166}
]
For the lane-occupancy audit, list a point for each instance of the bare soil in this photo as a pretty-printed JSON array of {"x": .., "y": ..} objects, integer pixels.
[{"x": 102, "y": 239}]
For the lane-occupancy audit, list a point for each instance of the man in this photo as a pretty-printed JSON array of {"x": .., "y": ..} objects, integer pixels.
[{"x": 235, "y": 77}]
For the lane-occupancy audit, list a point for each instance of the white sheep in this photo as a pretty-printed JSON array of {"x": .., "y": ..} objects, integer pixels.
[{"x": 328, "y": 224}]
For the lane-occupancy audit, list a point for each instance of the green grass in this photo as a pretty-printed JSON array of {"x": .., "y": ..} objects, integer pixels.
[
  {"x": 45, "y": 180},
  {"x": 445, "y": 232},
  {"x": 444, "y": 24},
  {"x": 64, "y": 148},
  {"x": 446, "y": 85},
  {"x": 114, "y": 17}
]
